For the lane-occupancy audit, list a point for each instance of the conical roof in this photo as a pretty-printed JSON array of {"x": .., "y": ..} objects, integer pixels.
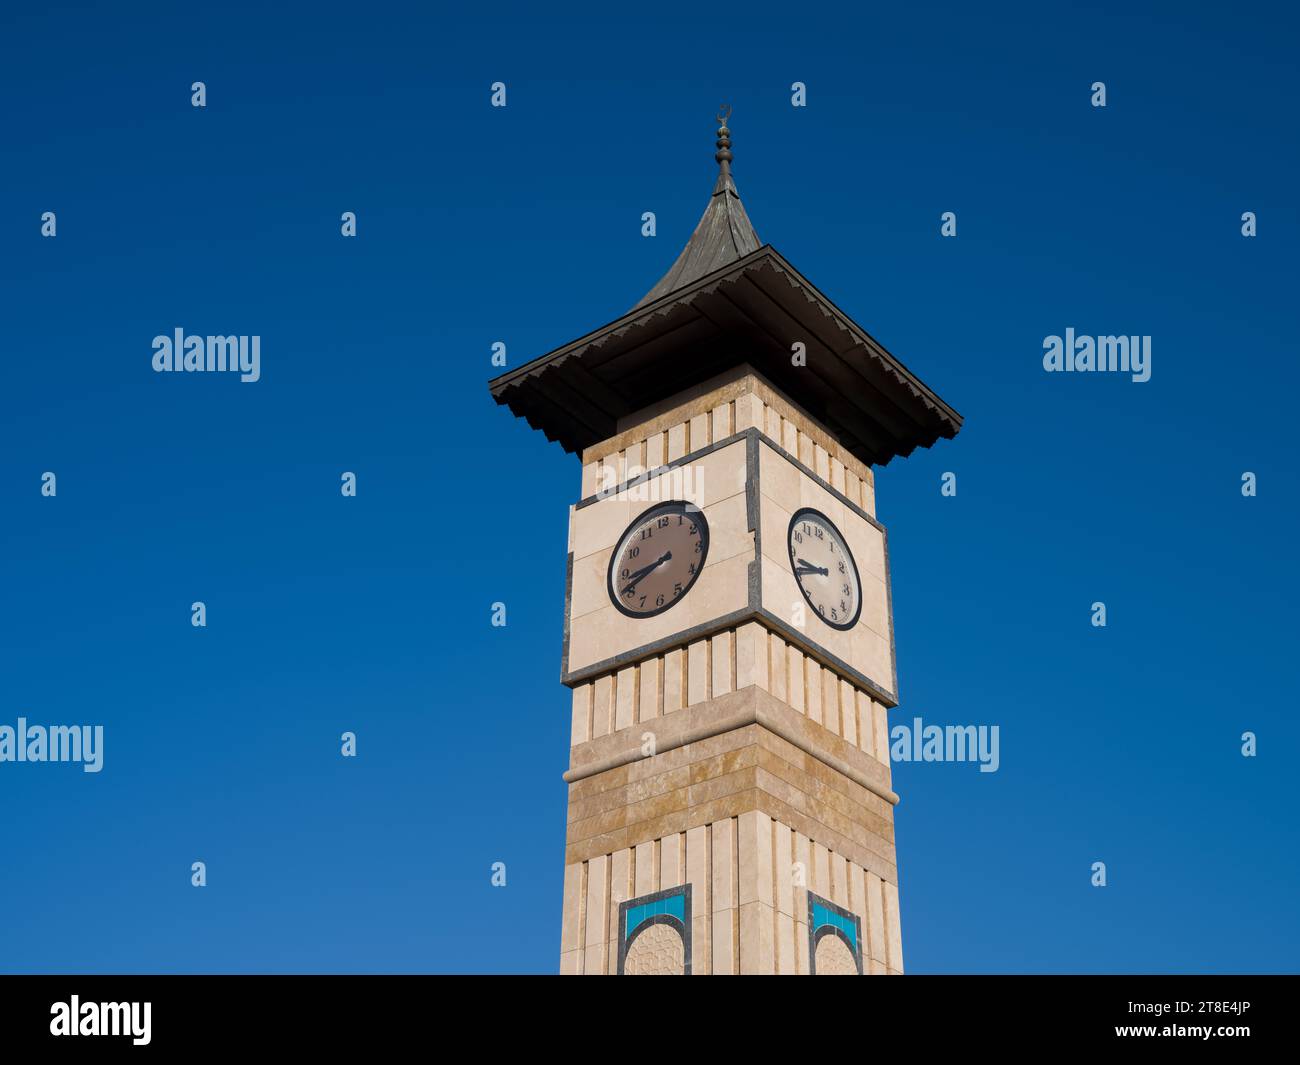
[{"x": 723, "y": 235}]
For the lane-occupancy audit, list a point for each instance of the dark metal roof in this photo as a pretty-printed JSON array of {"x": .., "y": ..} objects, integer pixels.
[
  {"x": 723, "y": 235},
  {"x": 725, "y": 302}
]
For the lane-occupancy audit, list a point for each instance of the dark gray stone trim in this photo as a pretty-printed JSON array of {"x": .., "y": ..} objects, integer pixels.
[
  {"x": 889, "y": 605},
  {"x": 568, "y": 595},
  {"x": 677, "y": 639},
  {"x": 753, "y": 502},
  {"x": 730, "y": 621},
  {"x": 625, "y": 941},
  {"x": 815, "y": 934}
]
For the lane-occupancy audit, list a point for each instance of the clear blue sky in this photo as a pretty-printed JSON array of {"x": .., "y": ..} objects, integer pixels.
[{"x": 523, "y": 225}]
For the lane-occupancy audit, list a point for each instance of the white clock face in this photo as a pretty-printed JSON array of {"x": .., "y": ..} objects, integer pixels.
[
  {"x": 824, "y": 569},
  {"x": 658, "y": 559}
]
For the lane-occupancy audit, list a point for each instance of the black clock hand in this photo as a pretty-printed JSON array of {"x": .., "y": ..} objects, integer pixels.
[
  {"x": 641, "y": 574},
  {"x": 808, "y": 567},
  {"x": 646, "y": 569}
]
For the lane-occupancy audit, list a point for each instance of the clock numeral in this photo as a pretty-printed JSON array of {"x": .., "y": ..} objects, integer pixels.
[{"x": 842, "y": 568}]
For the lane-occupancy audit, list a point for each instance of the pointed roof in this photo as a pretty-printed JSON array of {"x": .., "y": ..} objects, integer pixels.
[
  {"x": 729, "y": 301},
  {"x": 723, "y": 235}
]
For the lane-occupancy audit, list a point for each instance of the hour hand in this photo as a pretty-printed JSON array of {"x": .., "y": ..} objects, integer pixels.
[
  {"x": 640, "y": 574},
  {"x": 805, "y": 567}
]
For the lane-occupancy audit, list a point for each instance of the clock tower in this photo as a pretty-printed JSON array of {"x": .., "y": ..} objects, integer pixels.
[{"x": 728, "y": 624}]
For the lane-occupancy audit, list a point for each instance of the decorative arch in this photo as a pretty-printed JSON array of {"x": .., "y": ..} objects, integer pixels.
[
  {"x": 654, "y": 933},
  {"x": 844, "y": 929}
]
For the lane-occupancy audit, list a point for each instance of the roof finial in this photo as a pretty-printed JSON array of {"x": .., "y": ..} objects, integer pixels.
[
  {"x": 723, "y": 154},
  {"x": 724, "y": 234}
]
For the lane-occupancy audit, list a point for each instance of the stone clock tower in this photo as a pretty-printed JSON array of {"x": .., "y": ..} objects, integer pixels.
[{"x": 728, "y": 631}]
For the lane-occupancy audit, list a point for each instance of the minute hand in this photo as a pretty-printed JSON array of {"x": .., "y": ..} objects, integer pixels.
[{"x": 806, "y": 567}]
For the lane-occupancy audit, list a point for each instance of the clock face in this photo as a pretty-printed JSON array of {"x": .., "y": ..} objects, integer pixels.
[
  {"x": 824, "y": 569},
  {"x": 658, "y": 559}
]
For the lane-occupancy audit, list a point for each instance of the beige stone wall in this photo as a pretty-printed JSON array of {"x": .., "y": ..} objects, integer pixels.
[
  {"x": 731, "y": 403},
  {"x": 750, "y": 875},
  {"x": 867, "y": 646},
  {"x": 704, "y": 669},
  {"x": 716, "y": 484}
]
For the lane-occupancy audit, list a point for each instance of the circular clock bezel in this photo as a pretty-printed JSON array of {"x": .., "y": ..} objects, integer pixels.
[
  {"x": 799, "y": 514},
  {"x": 671, "y": 507}
]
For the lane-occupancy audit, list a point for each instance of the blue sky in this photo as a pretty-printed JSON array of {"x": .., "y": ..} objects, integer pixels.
[{"x": 522, "y": 225}]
